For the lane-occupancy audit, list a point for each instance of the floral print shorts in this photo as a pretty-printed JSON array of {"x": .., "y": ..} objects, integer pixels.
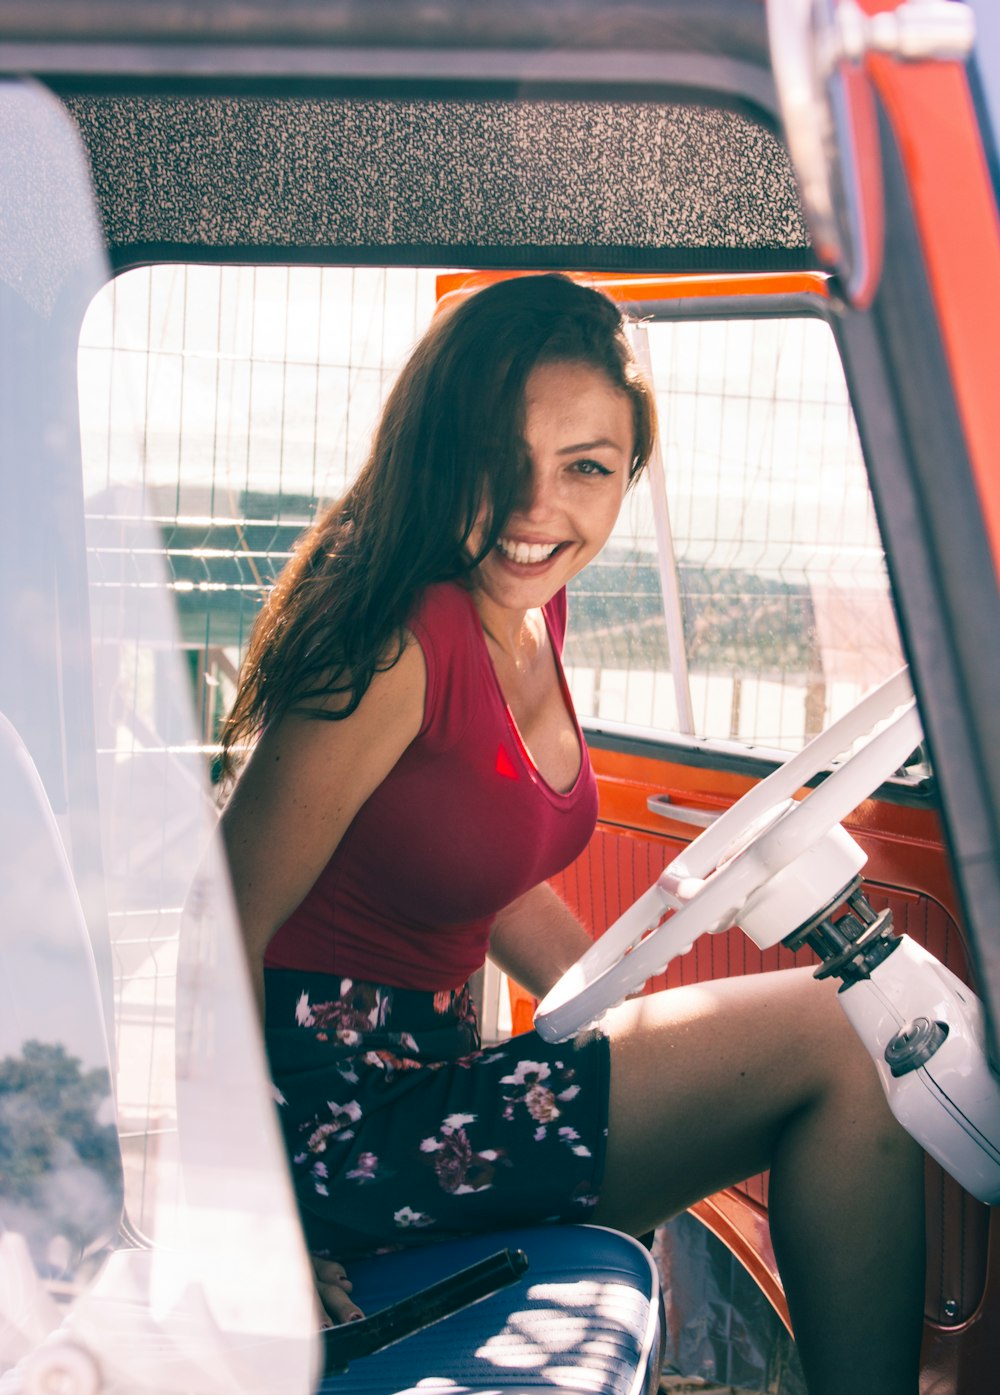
[{"x": 402, "y": 1129}]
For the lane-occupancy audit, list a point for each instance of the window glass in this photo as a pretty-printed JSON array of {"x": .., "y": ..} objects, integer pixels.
[
  {"x": 987, "y": 56},
  {"x": 219, "y": 409},
  {"x": 254, "y": 391},
  {"x": 777, "y": 566},
  {"x": 242, "y": 399},
  {"x": 134, "y": 1099}
]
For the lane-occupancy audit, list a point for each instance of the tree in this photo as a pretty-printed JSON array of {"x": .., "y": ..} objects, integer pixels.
[{"x": 60, "y": 1166}]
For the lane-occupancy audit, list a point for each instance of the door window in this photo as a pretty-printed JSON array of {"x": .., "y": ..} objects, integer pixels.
[
  {"x": 743, "y": 596},
  {"x": 241, "y": 399},
  {"x": 769, "y": 558}
]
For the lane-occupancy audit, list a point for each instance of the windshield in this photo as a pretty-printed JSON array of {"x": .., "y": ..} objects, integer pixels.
[{"x": 124, "y": 1049}]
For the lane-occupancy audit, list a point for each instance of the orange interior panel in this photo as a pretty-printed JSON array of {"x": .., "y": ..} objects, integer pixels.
[{"x": 908, "y": 872}]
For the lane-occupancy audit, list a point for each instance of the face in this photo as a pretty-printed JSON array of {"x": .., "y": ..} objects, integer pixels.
[{"x": 579, "y": 436}]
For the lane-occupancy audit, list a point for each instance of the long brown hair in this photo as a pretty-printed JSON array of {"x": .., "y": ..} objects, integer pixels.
[{"x": 448, "y": 449}]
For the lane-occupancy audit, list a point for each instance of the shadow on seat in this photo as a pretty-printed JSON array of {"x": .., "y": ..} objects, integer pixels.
[{"x": 585, "y": 1318}]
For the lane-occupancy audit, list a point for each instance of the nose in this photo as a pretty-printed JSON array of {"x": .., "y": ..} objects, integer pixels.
[{"x": 537, "y": 497}]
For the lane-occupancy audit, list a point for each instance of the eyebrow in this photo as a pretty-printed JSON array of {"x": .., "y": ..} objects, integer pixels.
[{"x": 603, "y": 442}]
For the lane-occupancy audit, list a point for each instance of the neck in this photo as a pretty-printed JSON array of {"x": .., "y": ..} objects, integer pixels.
[{"x": 508, "y": 631}]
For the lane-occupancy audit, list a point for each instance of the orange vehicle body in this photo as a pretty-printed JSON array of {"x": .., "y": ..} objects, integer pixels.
[{"x": 931, "y": 109}]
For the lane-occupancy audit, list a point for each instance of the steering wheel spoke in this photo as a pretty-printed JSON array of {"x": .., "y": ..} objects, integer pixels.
[{"x": 794, "y": 848}]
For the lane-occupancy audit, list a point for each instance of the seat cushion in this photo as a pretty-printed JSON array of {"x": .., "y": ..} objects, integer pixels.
[{"x": 585, "y": 1317}]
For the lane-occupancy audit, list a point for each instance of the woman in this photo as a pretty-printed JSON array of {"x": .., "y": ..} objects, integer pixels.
[{"x": 416, "y": 776}]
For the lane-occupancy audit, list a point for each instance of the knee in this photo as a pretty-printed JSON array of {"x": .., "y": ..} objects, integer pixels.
[
  {"x": 835, "y": 1051},
  {"x": 847, "y": 1070}
]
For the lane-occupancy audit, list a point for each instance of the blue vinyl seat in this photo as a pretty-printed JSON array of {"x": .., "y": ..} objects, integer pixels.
[{"x": 584, "y": 1318}]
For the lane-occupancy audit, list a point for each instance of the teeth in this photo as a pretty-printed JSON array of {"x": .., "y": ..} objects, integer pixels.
[{"x": 526, "y": 552}]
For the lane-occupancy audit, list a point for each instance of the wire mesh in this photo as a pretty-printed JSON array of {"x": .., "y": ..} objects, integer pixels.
[{"x": 785, "y": 597}]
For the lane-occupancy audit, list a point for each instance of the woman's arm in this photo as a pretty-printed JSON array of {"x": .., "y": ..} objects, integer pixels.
[
  {"x": 536, "y": 939},
  {"x": 299, "y": 792}
]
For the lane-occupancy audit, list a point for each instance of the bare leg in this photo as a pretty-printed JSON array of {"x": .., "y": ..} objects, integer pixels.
[{"x": 713, "y": 1083}]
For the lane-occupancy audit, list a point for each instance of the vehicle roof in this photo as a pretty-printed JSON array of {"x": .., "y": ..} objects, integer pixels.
[
  {"x": 571, "y": 133},
  {"x": 713, "y": 25}
]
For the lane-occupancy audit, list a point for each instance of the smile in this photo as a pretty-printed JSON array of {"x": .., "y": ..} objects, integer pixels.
[{"x": 526, "y": 553}]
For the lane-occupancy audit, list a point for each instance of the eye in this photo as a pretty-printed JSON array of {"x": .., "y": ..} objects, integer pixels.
[{"x": 591, "y": 467}]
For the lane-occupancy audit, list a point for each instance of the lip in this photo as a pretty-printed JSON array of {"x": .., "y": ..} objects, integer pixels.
[{"x": 513, "y": 568}]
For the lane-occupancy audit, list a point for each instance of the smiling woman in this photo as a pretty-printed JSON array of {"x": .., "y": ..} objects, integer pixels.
[
  {"x": 418, "y": 775},
  {"x": 520, "y": 420},
  {"x": 261, "y": 174}
]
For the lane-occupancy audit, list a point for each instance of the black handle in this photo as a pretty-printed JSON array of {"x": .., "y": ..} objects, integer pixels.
[{"x": 352, "y": 1340}]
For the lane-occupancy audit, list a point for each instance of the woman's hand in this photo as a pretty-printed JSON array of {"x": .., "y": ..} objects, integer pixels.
[{"x": 334, "y": 1289}]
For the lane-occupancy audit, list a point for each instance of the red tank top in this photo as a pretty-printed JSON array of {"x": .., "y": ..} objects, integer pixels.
[{"x": 461, "y": 826}]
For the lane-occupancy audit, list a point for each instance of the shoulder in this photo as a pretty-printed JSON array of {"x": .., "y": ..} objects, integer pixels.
[
  {"x": 385, "y": 720},
  {"x": 445, "y": 624},
  {"x": 447, "y": 630}
]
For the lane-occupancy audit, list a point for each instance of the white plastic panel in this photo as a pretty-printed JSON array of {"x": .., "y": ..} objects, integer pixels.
[{"x": 116, "y": 906}]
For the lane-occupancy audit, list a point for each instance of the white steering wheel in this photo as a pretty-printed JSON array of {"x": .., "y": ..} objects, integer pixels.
[{"x": 769, "y": 863}]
